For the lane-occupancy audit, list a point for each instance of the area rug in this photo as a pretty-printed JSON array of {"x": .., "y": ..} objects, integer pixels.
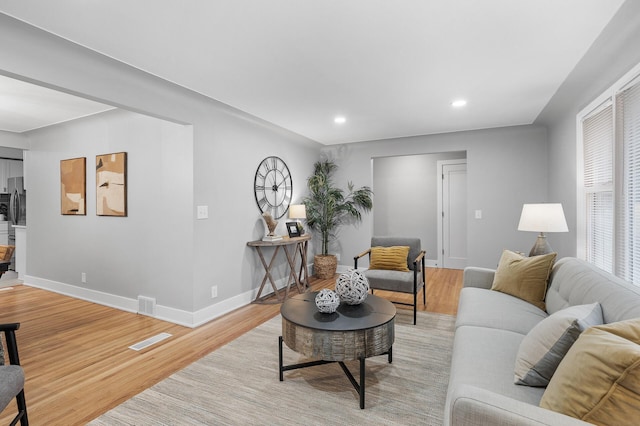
[{"x": 238, "y": 384}]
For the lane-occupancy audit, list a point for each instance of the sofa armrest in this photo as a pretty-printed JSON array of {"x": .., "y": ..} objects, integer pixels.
[
  {"x": 472, "y": 406},
  {"x": 478, "y": 277}
]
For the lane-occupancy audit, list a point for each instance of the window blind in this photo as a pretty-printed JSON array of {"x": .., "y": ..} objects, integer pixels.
[
  {"x": 627, "y": 260},
  {"x": 598, "y": 145}
]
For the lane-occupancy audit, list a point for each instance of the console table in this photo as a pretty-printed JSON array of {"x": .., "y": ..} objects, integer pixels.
[
  {"x": 353, "y": 332},
  {"x": 291, "y": 247}
]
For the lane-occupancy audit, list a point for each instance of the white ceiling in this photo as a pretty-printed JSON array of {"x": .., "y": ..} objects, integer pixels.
[
  {"x": 25, "y": 106},
  {"x": 391, "y": 68}
]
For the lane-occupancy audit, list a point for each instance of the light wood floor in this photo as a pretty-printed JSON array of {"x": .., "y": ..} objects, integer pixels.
[{"x": 76, "y": 357}]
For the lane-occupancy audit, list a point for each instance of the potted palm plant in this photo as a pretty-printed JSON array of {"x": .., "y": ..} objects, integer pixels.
[{"x": 329, "y": 207}]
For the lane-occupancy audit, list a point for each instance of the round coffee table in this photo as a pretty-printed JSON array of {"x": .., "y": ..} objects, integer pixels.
[{"x": 353, "y": 332}]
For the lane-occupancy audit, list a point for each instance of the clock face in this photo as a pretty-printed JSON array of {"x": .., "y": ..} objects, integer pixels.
[{"x": 273, "y": 187}]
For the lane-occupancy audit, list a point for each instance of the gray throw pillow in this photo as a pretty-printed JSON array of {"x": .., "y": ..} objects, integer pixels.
[{"x": 548, "y": 342}]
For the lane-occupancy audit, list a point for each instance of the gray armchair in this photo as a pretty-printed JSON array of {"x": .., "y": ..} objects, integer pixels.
[
  {"x": 400, "y": 281},
  {"x": 12, "y": 376}
]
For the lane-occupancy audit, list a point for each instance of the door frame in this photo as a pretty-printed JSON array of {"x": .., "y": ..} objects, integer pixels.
[{"x": 440, "y": 177}]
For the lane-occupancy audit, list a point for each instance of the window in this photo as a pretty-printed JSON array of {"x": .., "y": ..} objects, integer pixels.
[
  {"x": 597, "y": 133},
  {"x": 628, "y": 209},
  {"x": 609, "y": 180}
]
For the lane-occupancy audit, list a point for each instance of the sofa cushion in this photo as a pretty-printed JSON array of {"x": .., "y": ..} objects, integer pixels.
[
  {"x": 394, "y": 258},
  {"x": 481, "y": 357},
  {"x": 576, "y": 282},
  {"x": 381, "y": 279},
  {"x": 547, "y": 343},
  {"x": 12, "y": 383},
  {"x": 598, "y": 380},
  {"x": 524, "y": 277},
  {"x": 486, "y": 308}
]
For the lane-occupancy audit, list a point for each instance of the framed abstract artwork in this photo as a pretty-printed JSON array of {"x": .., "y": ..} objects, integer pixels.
[
  {"x": 73, "y": 173},
  {"x": 111, "y": 184}
]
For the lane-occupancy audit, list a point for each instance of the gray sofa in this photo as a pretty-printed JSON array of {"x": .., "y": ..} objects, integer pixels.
[{"x": 489, "y": 328}]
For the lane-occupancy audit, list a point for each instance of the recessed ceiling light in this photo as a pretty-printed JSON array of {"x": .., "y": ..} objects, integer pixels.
[
  {"x": 339, "y": 119},
  {"x": 458, "y": 103}
]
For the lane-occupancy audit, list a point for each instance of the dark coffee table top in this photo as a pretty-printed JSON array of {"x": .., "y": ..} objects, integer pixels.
[{"x": 301, "y": 309}]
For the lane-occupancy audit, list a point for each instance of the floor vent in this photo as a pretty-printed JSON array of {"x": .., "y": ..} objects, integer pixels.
[
  {"x": 147, "y": 305},
  {"x": 150, "y": 341}
]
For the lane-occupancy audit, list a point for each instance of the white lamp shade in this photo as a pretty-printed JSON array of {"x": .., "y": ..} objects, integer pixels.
[
  {"x": 297, "y": 211},
  {"x": 544, "y": 217}
]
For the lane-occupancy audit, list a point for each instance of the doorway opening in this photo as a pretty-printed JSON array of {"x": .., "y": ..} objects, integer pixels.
[
  {"x": 452, "y": 220},
  {"x": 406, "y": 199}
]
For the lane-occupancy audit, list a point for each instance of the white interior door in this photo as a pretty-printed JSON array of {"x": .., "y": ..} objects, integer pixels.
[{"x": 453, "y": 203}]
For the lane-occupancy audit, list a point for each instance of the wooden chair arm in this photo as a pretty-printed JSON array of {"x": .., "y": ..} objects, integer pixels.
[
  {"x": 420, "y": 256},
  {"x": 355, "y": 258},
  {"x": 367, "y": 251}
]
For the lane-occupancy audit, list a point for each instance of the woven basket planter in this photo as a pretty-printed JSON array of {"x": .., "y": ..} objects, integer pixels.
[{"x": 325, "y": 265}]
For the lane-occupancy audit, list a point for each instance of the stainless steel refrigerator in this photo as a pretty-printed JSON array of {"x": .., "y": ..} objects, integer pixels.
[{"x": 17, "y": 206}]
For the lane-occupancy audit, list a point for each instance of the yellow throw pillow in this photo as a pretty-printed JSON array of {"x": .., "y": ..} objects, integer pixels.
[
  {"x": 598, "y": 380},
  {"x": 524, "y": 277},
  {"x": 391, "y": 258}
]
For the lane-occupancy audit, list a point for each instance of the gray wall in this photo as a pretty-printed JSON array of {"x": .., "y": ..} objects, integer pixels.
[
  {"x": 406, "y": 203},
  {"x": 123, "y": 256},
  {"x": 227, "y": 146},
  {"x": 13, "y": 140},
  {"x": 506, "y": 168},
  {"x": 613, "y": 54}
]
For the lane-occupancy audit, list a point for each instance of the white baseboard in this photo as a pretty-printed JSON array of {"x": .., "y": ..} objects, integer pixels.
[
  {"x": 165, "y": 313},
  {"x": 102, "y": 298}
]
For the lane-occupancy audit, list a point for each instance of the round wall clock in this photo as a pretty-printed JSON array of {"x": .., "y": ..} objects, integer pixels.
[{"x": 273, "y": 187}]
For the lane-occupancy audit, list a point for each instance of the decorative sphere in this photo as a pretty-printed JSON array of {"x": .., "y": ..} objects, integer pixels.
[
  {"x": 327, "y": 301},
  {"x": 352, "y": 287}
]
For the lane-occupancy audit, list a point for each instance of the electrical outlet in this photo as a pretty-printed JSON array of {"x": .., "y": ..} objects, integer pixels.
[
  {"x": 202, "y": 212},
  {"x": 214, "y": 291},
  {"x": 83, "y": 277},
  {"x": 338, "y": 257}
]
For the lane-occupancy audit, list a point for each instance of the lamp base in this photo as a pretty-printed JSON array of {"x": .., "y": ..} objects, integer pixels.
[{"x": 541, "y": 246}]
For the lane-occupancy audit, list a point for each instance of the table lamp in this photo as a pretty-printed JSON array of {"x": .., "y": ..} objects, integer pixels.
[
  {"x": 544, "y": 217},
  {"x": 297, "y": 212}
]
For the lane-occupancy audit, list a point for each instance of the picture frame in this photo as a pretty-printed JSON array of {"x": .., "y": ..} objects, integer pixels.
[
  {"x": 292, "y": 229},
  {"x": 111, "y": 184},
  {"x": 73, "y": 187}
]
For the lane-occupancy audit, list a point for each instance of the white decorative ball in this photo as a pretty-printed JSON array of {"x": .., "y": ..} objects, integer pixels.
[
  {"x": 352, "y": 287},
  {"x": 327, "y": 301}
]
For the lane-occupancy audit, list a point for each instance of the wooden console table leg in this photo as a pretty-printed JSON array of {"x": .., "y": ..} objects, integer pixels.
[
  {"x": 267, "y": 274},
  {"x": 292, "y": 270},
  {"x": 303, "y": 275}
]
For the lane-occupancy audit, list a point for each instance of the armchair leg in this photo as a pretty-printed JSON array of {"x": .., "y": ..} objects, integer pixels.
[
  {"x": 22, "y": 409},
  {"x": 415, "y": 293},
  {"x": 424, "y": 284}
]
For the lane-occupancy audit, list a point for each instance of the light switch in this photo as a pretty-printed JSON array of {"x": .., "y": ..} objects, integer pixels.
[
  {"x": 478, "y": 214},
  {"x": 203, "y": 212}
]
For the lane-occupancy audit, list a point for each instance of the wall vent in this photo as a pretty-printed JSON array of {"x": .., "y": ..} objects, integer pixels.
[{"x": 147, "y": 305}]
